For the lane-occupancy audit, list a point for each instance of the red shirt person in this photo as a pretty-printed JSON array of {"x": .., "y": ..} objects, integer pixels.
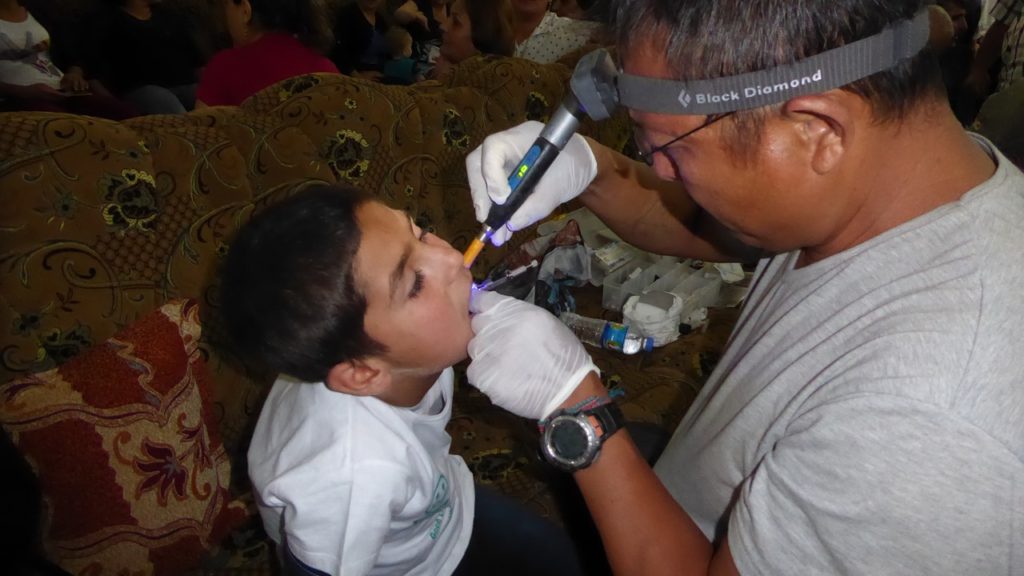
[{"x": 262, "y": 56}]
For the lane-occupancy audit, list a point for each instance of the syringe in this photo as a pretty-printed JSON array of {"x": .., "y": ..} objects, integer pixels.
[{"x": 500, "y": 281}]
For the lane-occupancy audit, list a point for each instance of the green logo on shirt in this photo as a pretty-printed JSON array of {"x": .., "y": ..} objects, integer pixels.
[{"x": 440, "y": 507}]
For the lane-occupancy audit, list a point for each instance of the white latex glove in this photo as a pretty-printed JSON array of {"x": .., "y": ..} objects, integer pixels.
[
  {"x": 489, "y": 165},
  {"x": 523, "y": 358}
]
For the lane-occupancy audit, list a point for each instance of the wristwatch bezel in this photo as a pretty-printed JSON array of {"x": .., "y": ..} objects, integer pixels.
[
  {"x": 598, "y": 419},
  {"x": 590, "y": 451}
]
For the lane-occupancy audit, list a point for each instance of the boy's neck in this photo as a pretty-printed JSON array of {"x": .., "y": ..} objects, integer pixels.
[{"x": 408, "y": 389}]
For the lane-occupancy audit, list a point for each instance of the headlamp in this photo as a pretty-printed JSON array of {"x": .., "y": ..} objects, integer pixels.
[{"x": 813, "y": 75}]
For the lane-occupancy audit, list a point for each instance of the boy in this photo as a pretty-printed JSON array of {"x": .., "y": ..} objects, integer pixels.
[{"x": 352, "y": 473}]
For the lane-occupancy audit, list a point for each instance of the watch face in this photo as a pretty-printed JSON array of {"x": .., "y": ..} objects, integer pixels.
[
  {"x": 572, "y": 441},
  {"x": 569, "y": 439}
]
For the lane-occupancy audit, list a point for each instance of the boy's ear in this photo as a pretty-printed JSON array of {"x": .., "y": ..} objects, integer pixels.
[{"x": 360, "y": 377}]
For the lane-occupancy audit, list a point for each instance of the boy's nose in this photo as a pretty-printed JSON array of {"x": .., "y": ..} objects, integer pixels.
[
  {"x": 447, "y": 259},
  {"x": 453, "y": 260}
]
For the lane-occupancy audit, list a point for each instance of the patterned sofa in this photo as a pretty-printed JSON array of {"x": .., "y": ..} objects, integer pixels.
[{"x": 113, "y": 384}]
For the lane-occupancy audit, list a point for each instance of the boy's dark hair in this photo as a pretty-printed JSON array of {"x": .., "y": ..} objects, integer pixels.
[
  {"x": 728, "y": 37},
  {"x": 290, "y": 299},
  {"x": 306, "y": 19},
  {"x": 491, "y": 23}
]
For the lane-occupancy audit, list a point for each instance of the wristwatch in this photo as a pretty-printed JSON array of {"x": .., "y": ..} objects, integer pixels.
[{"x": 571, "y": 439}]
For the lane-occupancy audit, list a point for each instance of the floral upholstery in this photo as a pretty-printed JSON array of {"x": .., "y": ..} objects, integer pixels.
[{"x": 134, "y": 475}]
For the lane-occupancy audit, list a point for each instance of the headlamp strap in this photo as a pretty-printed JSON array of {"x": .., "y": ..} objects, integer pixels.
[{"x": 819, "y": 73}]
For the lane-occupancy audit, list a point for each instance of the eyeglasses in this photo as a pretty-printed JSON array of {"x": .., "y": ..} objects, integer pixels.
[{"x": 648, "y": 157}]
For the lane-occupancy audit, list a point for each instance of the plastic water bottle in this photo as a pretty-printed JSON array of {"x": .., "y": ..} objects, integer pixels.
[{"x": 609, "y": 335}]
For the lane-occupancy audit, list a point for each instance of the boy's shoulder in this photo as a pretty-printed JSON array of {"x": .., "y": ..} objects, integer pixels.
[
  {"x": 306, "y": 432},
  {"x": 302, "y": 418}
]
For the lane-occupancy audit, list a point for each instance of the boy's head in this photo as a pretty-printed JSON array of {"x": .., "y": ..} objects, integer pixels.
[
  {"x": 399, "y": 42},
  {"x": 331, "y": 285}
]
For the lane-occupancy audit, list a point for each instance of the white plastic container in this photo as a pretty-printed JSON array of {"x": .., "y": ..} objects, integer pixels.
[
  {"x": 698, "y": 290},
  {"x": 608, "y": 258},
  {"x": 630, "y": 279},
  {"x": 676, "y": 272},
  {"x": 654, "y": 314}
]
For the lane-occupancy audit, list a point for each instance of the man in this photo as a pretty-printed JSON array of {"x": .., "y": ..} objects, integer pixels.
[
  {"x": 1004, "y": 41},
  {"x": 955, "y": 60},
  {"x": 868, "y": 415}
]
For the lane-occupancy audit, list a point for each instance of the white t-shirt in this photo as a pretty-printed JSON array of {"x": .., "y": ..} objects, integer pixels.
[
  {"x": 25, "y": 54},
  {"x": 555, "y": 37},
  {"x": 868, "y": 414},
  {"x": 356, "y": 486}
]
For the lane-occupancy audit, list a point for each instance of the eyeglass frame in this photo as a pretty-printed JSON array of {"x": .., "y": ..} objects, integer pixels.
[{"x": 648, "y": 157}]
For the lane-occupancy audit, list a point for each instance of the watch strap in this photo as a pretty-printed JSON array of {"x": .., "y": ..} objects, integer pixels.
[
  {"x": 609, "y": 417},
  {"x": 580, "y": 407}
]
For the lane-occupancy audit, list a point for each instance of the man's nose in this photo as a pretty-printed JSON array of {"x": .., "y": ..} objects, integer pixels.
[{"x": 666, "y": 167}]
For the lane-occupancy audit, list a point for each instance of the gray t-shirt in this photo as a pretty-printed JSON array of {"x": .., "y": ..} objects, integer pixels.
[{"x": 868, "y": 414}]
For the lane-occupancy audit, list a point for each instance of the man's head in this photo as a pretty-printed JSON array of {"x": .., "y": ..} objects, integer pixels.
[
  {"x": 330, "y": 285},
  {"x": 764, "y": 172},
  {"x": 703, "y": 40}
]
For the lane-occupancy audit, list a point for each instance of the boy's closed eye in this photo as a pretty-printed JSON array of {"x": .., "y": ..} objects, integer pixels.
[{"x": 418, "y": 276}]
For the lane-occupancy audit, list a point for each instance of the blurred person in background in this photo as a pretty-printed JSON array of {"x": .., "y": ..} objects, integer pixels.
[
  {"x": 543, "y": 36},
  {"x": 148, "y": 55},
  {"x": 475, "y": 27},
  {"x": 29, "y": 79},
  {"x": 273, "y": 40}
]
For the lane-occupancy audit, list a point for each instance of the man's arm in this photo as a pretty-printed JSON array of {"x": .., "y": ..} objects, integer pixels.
[
  {"x": 989, "y": 51},
  {"x": 526, "y": 361},
  {"x": 644, "y": 530},
  {"x": 654, "y": 214}
]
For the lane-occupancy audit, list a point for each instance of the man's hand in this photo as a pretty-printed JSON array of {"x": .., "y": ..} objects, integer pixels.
[
  {"x": 409, "y": 14},
  {"x": 490, "y": 164},
  {"x": 442, "y": 67},
  {"x": 523, "y": 358},
  {"x": 74, "y": 81},
  {"x": 978, "y": 83}
]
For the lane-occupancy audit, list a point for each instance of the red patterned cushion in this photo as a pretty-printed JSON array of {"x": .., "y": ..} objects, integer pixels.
[{"x": 134, "y": 479}]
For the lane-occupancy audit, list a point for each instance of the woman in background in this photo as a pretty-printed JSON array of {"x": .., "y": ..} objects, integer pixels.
[
  {"x": 543, "y": 36},
  {"x": 475, "y": 27},
  {"x": 273, "y": 40}
]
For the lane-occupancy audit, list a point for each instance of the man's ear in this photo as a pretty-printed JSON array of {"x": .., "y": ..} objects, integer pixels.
[
  {"x": 360, "y": 377},
  {"x": 826, "y": 126}
]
